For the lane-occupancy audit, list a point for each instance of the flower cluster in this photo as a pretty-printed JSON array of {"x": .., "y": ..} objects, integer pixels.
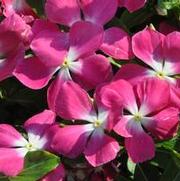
[{"x": 71, "y": 52}]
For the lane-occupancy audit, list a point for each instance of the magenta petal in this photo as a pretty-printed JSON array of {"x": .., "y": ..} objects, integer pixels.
[
  {"x": 40, "y": 122},
  {"x": 175, "y": 96},
  {"x": 18, "y": 7},
  {"x": 11, "y": 162},
  {"x": 164, "y": 124},
  {"x": 82, "y": 44},
  {"x": 54, "y": 90},
  {"x": 43, "y": 24},
  {"x": 57, "y": 174},
  {"x": 92, "y": 71},
  {"x": 172, "y": 49},
  {"x": 125, "y": 91},
  {"x": 63, "y": 12},
  {"x": 99, "y": 11},
  {"x": 140, "y": 148},
  {"x": 117, "y": 44},
  {"x": 73, "y": 102},
  {"x": 126, "y": 126},
  {"x": 16, "y": 24},
  {"x": 50, "y": 47},
  {"x": 132, "y": 5},
  {"x": 101, "y": 149},
  {"x": 133, "y": 73},
  {"x": 153, "y": 94},
  {"x": 33, "y": 73},
  {"x": 147, "y": 46},
  {"x": 9, "y": 136},
  {"x": 8, "y": 64},
  {"x": 71, "y": 140}
]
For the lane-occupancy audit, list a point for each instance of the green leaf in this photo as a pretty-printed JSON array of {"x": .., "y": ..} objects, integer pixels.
[
  {"x": 137, "y": 17},
  {"x": 172, "y": 144},
  {"x": 37, "y": 164},
  {"x": 172, "y": 171},
  {"x": 3, "y": 178},
  {"x": 139, "y": 173},
  {"x": 131, "y": 166}
]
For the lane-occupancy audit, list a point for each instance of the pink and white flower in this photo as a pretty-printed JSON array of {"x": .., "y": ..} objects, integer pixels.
[
  {"x": 161, "y": 55},
  {"x": 72, "y": 54},
  {"x": 146, "y": 105},
  {"x": 68, "y": 12},
  {"x": 14, "y": 147},
  {"x": 89, "y": 137}
]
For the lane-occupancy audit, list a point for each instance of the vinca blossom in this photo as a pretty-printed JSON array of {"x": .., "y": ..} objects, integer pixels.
[
  {"x": 14, "y": 147},
  {"x": 161, "y": 55},
  {"x": 89, "y": 135},
  {"x": 116, "y": 42},
  {"x": 146, "y": 105},
  {"x": 68, "y": 12}
]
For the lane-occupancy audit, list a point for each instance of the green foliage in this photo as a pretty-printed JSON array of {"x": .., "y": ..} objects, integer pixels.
[{"x": 37, "y": 164}]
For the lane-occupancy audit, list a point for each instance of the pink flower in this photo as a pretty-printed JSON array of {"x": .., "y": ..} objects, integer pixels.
[
  {"x": 161, "y": 55},
  {"x": 72, "y": 54},
  {"x": 146, "y": 105},
  {"x": 19, "y": 7},
  {"x": 89, "y": 138},
  {"x": 14, "y": 147},
  {"x": 69, "y": 12},
  {"x": 132, "y": 5},
  {"x": 57, "y": 174},
  {"x": 117, "y": 42}
]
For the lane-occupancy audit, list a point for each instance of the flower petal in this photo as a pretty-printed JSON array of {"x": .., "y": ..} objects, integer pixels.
[
  {"x": 93, "y": 70},
  {"x": 127, "y": 127},
  {"x": 42, "y": 25},
  {"x": 10, "y": 137},
  {"x": 163, "y": 125},
  {"x": 74, "y": 102},
  {"x": 18, "y": 7},
  {"x": 140, "y": 148},
  {"x": 125, "y": 91},
  {"x": 132, "y": 5},
  {"x": 171, "y": 50},
  {"x": 63, "y": 12},
  {"x": 71, "y": 140},
  {"x": 50, "y": 47},
  {"x": 147, "y": 46},
  {"x": 153, "y": 94},
  {"x": 11, "y": 162},
  {"x": 82, "y": 44},
  {"x": 133, "y": 73},
  {"x": 99, "y": 11},
  {"x": 57, "y": 174},
  {"x": 55, "y": 88},
  {"x": 101, "y": 149},
  {"x": 7, "y": 65},
  {"x": 40, "y": 122},
  {"x": 117, "y": 44},
  {"x": 33, "y": 73}
]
